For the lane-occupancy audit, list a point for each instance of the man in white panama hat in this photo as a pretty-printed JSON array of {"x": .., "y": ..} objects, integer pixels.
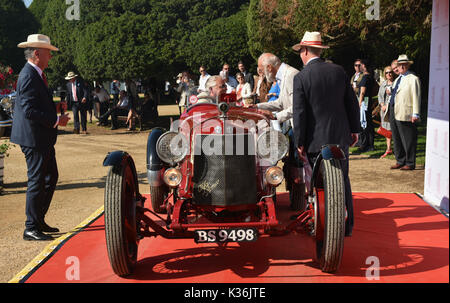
[
  {"x": 34, "y": 128},
  {"x": 326, "y": 110},
  {"x": 77, "y": 98},
  {"x": 404, "y": 107}
]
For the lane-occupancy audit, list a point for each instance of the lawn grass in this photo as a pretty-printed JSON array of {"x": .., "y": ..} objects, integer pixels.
[{"x": 380, "y": 146}]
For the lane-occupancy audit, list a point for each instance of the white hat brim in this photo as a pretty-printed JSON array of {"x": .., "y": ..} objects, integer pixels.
[
  {"x": 38, "y": 45},
  {"x": 298, "y": 46}
]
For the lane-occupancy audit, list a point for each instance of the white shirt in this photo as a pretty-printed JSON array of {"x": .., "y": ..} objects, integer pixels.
[
  {"x": 102, "y": 95},
  {"x": 280, "y": 73},
  {"x": 202, "y": 82},
  {"x": 37, "y": 68}
]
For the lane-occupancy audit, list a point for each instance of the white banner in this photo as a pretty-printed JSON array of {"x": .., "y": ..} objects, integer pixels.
[{"x": 436, "y": 187}]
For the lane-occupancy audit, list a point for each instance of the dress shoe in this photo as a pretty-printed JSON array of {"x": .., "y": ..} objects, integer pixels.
[
  {"x": 48, "y": 229},
  {"x": 35, "y": 235},
  {"x": 76, "y": 131},
  {"x": 406, "y": 167},
  {"x": 396, "y": 166},
  {"x": 84, "y": 132}
]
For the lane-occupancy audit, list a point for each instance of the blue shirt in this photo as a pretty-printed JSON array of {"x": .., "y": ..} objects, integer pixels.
[{"x": 274, "y": 89}]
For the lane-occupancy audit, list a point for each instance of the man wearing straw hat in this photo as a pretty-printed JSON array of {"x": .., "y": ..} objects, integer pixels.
[
  {"x": 35, "y": 129},
  {"x": 405, "y": 114},
  {"x": 326, "y": 110},
  {"x": 77, "y": 96}
]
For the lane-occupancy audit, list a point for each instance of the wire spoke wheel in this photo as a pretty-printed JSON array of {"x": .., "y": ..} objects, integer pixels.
[
  {"x": 121, "y": 223},
  {"x": 329, "y": 215}
]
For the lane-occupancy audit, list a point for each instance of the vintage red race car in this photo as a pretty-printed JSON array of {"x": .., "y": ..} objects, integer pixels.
[{"x": 213, "y": 178}]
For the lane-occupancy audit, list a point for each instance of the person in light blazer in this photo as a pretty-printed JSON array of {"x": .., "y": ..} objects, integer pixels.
[
  {"x": 275, "y": 70},
  {"x": 404, "y": 115}
]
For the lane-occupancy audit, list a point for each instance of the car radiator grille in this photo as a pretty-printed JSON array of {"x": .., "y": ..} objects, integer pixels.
[{"x": 224, "y": 171}]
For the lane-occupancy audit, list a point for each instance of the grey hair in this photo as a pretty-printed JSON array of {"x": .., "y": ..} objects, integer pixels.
[
  {"x": 29, "y": 52},
  {"x": 212, "y": 81},
  {"x": 268, "y": 58}
]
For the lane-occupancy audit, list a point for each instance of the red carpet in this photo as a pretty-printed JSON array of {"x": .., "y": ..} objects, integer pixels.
[{"x": 408, "y": 237}]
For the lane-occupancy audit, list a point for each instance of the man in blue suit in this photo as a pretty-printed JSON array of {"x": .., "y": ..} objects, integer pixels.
[
  {"x": 34, "y": 128},
  {"x": 77, "y": 97}
]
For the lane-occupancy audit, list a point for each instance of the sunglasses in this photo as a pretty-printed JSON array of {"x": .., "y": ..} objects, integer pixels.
[
  {"x": 202, "y": 71},
  {"x": 357, "y": 65},
  {"x": 388, "y": 72}
]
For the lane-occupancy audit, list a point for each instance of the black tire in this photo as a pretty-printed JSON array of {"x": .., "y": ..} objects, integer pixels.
[
  {"x": 330, "y": 216},
  {"x": 158, "y": 195},
  {"x": 121, "y": 225},
  {"x": 297, "y": 197}
]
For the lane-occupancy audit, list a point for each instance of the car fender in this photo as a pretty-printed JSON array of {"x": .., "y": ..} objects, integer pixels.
[
  {"x": 118, "y": 157},
  {"x": 115, "y": 158},
  {"x": 154, "y": 163}
]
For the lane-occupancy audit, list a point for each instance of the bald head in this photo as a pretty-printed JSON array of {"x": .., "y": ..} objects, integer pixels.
[{"x": 269, "y": 64}]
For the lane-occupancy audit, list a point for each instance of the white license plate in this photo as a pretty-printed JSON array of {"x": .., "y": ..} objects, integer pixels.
[{"x": 225, "y": 235}]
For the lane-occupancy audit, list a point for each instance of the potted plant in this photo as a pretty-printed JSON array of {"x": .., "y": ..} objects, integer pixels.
[{"x": 4, "y": 147}]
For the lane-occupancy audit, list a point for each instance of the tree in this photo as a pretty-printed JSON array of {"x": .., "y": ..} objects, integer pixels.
[
  {"x": 37, "y": 8},
  {"x": 223, "y": 40},
  {"x": 16, "y": 23},
  {"x": 404, "y": 26},
  {"x": 128, "y": 38}
]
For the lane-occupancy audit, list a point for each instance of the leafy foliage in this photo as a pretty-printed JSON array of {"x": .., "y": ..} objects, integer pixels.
[
  {"x": 224, "y": 40},
  {"x": 404, "y": 26},
  {"x": 129, "y": 39},
  {"x": 16, "y": 23}
]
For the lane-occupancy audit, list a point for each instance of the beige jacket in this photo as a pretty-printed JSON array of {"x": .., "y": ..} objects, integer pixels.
[
  {"x": 407, "y": 98},
  {"x": 283, "y": 105}
]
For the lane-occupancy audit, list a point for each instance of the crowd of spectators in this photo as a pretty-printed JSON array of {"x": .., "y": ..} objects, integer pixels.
[
  {"x": 397, "y": 107},
  {"x": 375, "y": 93}
]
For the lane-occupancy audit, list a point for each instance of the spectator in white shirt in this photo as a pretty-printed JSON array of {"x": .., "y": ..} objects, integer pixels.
[{"x": 204, "y": 76}]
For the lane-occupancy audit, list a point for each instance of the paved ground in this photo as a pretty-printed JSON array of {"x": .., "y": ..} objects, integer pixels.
[{"x": 80, "y": 188}]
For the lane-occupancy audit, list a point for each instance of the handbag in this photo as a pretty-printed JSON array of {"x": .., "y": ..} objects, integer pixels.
[{"x": 384, "y": 132}]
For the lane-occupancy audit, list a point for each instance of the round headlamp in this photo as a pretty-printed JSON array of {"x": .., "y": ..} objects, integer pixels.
[
  {"x": 272, "y": 146},
  {"x": 173, "y": 177},
  {"x": 172, "y": 147},
  {"x": 274, "y": 175}
]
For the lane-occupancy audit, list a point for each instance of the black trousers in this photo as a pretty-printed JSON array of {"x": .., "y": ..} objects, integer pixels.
[
  {"x": 367, "y": 136},
  {"x": 42, "y": 172},
  {"x": 404, "y": 134},
  {"x": 348, "y": 188},
  {"x": 79, "y": 111}
]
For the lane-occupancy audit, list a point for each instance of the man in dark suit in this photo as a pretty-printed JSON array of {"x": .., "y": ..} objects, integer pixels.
[
  {"x": 35, "y": 130},
  {"x": 77, "y": 95},
  {"x": 325, "y": 110}
]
